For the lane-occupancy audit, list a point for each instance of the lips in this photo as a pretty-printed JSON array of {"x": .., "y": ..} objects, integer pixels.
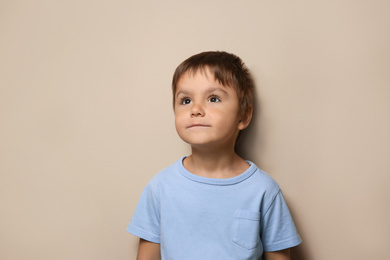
[{"x": 197, "y": 125}]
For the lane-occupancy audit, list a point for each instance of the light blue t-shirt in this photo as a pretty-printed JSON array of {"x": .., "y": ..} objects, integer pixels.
[{"x": 199, "y": 218}]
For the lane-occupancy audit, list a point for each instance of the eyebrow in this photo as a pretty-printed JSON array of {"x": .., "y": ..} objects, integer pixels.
[{"x": 210, "y": 90}]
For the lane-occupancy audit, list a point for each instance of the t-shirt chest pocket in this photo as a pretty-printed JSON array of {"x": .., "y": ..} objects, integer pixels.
[{"x": 246, "y": 229}]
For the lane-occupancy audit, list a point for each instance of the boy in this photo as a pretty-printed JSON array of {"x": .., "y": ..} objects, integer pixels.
[{"x": 213, "y": 205}]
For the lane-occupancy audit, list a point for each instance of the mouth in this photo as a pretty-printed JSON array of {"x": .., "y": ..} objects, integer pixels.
[{"x": 197, "y": 126}]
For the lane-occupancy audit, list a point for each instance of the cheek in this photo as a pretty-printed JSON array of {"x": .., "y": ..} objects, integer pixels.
[
  {"x": 224, "y": 114},
  {"x": 179, "y": 118}
]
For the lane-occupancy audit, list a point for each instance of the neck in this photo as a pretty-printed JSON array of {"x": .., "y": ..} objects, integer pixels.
[{"x": 215, "y": 163}]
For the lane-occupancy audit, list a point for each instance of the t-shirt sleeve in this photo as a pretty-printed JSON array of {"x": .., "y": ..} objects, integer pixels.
[
  {"x": 145, "y": 222},
  {"x": 278, "y": 231}
]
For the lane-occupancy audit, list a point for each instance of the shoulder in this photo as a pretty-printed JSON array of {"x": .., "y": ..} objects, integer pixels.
[
  {"x": 262, "y": 178},
  {"x": 263, "y": 186}
]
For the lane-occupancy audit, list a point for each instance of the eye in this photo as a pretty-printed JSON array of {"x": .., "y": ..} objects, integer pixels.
[
  {"x": 185, "y": 101},
  {"x": 214, "y": 98}
]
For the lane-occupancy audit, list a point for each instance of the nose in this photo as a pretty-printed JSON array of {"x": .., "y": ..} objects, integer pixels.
[{"x": 197, "y": 110}]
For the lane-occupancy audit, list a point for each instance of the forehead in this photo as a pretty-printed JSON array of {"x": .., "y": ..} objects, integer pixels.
[
  {"x": 190, "y": 83},
  {"x": 198, "y": 77}
]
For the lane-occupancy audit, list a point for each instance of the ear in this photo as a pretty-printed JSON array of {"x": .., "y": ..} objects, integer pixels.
[{"x": 244, "y": 122}]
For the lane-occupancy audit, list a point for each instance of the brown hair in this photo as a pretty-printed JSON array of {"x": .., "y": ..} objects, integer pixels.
[{"x": 228, "y": 70}]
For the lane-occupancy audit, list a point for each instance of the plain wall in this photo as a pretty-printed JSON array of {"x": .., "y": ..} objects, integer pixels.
[{"x": 86, "y": 117}]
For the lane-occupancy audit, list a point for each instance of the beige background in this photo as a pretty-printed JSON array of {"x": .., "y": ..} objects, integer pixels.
[{"x": 86, "y": 118}]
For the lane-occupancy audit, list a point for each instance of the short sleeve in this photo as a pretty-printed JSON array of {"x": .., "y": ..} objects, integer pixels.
[
  {"x": 145, "y": 222},
  {"x": 278, "y": 231}
]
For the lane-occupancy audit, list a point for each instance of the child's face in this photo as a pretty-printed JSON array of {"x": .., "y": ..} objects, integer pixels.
[{"x": 206, "y": 112}]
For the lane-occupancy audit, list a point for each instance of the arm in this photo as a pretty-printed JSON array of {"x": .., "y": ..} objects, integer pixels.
[
  {"x": 278, "y": 255},
  {"x": 148, "y": 250}
]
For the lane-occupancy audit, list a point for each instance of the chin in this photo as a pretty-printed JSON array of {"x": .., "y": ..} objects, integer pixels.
[
  {"x": 196, "y": 140},
  {"x": 198, "y": 143}
]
